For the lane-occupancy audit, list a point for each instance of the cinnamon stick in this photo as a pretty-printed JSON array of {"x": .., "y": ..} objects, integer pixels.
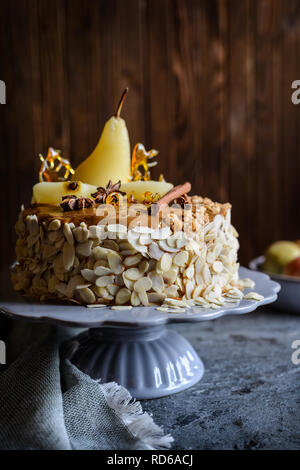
[{"x": 174, "y": 193}]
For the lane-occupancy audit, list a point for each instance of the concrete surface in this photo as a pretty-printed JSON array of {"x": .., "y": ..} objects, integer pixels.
[{"x": 249, "y": 397}]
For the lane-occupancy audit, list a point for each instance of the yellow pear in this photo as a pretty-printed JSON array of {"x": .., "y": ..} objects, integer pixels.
[
  {"x": 110, "y": 160},
  {"x": 52, "y": 192},
  {"x": 139, "y": 188}
]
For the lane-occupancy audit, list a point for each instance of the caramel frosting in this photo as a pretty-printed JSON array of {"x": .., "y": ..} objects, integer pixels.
[{"x": 203, "y": 209}]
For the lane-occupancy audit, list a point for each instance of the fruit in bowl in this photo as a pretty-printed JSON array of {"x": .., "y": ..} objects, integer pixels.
[
  {"x": 282, "y": 257},
  {"x": 293, "y": 268}
]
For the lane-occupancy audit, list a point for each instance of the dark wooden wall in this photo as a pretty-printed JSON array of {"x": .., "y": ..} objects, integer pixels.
[{"x": 210, "y": 87}]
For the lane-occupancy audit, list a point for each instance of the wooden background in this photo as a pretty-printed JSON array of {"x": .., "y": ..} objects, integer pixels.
[{"x": 210, "y": 87}]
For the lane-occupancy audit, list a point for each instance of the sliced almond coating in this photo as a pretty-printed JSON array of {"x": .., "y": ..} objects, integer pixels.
[
  {"x": 111, "y": 245},
  {"x": 181, "y": 258},
  {"x": 165, "y": 262},
  {"x": 103, "y": 292},
  {"x": 85, "y": 248},
  {"x": 199, "y": 267},
  {"x": 88, "y": 274},
  {"x": 156, "y": 297},
  {"x": 143, "y": 266},
  {"x": 134, "y": 299},
  {"x": 144, "y": 283},
  {"x": 133, "y": 237},
  {"x": 115, "y": 262},
  {"x": 247, "y": 282},
  {"x": 125, "y": 245},
  {"x": 90, "y": 262},
  {"x": 171, "y": 241},
  {"x": 133, "y": 260},
  {"x": 143, "y": 297},
  {"x": 48, "y": 251},
  {"x": 117, "y": 228},
  {"x": 58, "y": 261},
  {"x": 119, "y": 280},
  {"x": 176, "y": 310},
  {"x": 121, "y": 307},
  {"x": 104, "y": 281},
  {"x": 137, "y": 246},
  {"x": 152, "y": 265},
  {"x": 101, "y": 262},
  {"x": 235, "y": 293},
  {"x": 67, "y": 231},
  {"x": 201, "y": 302},
  {"x": 133, "y": 274},
  {"x": 32, "y": 224},
  {"x": 189, "y": 271},
  {"x": 96, "y": 305},
  {"x": 217, "y": 267},
  {"x": 112, "y": 289},
  {"x": 165, "y": 247},
  {"x": 52, "y": 237},
  {"x": 214, "y": 306},
  {"x": 79, "y": 282},
  {"x": 72, "y": 284},
  {"x": 128, "y": 283},
  {"x": 58, "y": 244},
  {"x": 181, "y": 243},
  {"x": 128, "y": 252},
  {"x": 80, "y": 233},
  {"x": 142, "y": 229},
  {"x": 206, "y": 274},
  {"x": 87, "y": 295},
  {"x": 171, "y": 291},
  {"x": 100, "y": 253},
  {"x": 157, "y": 281},
  {"x": 197, "y": 291},
  {"x": 68, "y": 256},
  {"x": 61, "y": 287},
  {"x": 102, "y": 271},
  {"x": 145, "y": 239},
  {"x": 161, "y": 234},
  {"x": 189, "y": 287},
  {"x": 253, "y": 296},
  {"x": 96, "y": 231},
  {"x": 154, "y": 251},
  {"x": 170, "y": 276},
  {"x": 122, "y": 296},
  {"x": 176, "y": 302},
  {"x": 210, "y": 258},
  {"x": 52, "y": 284},
  {"x": 54, "y": 225}
]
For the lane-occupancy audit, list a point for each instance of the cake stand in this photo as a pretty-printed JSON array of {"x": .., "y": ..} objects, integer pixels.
[{"x": 133, "y": 347}]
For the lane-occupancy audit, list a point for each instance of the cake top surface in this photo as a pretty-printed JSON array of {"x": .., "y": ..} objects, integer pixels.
[{"x": 200, "y": 210}]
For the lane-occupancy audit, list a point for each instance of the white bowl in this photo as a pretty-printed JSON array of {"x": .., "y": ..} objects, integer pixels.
[{"x": 289, "y": 295}]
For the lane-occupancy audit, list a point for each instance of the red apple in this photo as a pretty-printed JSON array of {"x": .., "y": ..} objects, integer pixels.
[{"x": 293, "y": 268}]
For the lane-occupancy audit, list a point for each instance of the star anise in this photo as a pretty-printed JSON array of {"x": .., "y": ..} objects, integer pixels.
[
  {"x": 102, "y": 193},
  {"x": 183, "y": 201},
  {"x": 74, "y": 203}
]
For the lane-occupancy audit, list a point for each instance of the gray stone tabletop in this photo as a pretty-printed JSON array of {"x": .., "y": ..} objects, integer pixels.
[{"x": 249, "y": 396}]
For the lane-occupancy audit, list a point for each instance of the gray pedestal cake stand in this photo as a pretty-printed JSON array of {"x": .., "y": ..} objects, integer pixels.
[{"x": 133, "y": 347}]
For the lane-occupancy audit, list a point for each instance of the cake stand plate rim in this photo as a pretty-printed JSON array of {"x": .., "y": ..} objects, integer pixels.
[{"x": 18, "y": 307}]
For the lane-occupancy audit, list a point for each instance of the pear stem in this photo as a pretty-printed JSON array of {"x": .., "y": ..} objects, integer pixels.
[{"x": 119, "y": 108}]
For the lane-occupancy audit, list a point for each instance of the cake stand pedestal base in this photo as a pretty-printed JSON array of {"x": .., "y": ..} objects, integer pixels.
[{"x": 151, "y": 362}]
